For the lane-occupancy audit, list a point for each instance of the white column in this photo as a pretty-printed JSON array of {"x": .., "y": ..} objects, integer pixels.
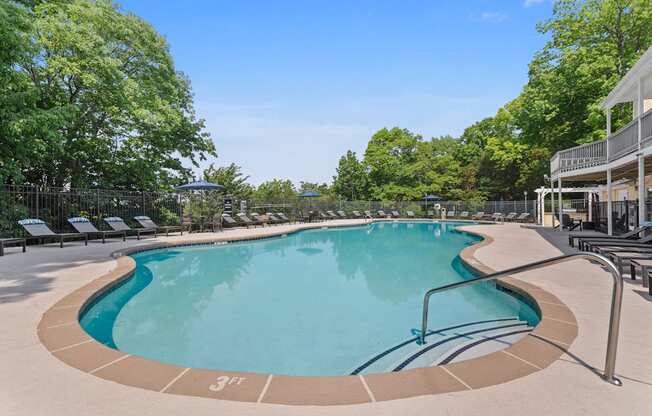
[
  {"x": 641, "y": 189},
  {"x": 590, "y": 206},
  {"x": 610, "y": 224},
  {"x": 561, "y": 221},
  {"x": 552, "y": 201},
  {"x": 608, "y": 122}
]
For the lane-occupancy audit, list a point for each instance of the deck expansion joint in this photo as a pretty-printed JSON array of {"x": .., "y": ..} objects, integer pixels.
[
  {"x": 562, "y": 321},
  {"x": 450, "y": 373},
  {"x": 261, "y": 396},
  {"x": 521, "y": 359},
  {"x": 174, "y": 380},
  {"x": 60, "y": 325},
  {"x": 366, "y": 387},
  {"x": 72, "y": 345},
  {"x": 103, "y": 366}
]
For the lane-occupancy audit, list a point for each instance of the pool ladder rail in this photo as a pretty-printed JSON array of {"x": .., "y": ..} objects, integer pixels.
[{"x": 616, "y": 300}]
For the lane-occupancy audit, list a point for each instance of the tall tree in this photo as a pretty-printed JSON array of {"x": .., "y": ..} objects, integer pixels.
[
  {"x": 232, "y": 178},
  {"x": 101, "y": 100},
  {"x": 351, "y": 181},
  {"x": 276, "y": 191}
]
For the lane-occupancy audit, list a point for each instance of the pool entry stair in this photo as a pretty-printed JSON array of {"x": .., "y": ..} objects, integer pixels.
[{"x": 448, "y": 345}]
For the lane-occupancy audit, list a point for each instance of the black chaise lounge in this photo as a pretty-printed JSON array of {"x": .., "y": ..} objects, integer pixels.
[
  {"x": 629, "y": 237},
  {"x": 118, "y": 224},
  {"x": 147, "y": 223},
  {"x": 229, "y": 221},
  {"x": 85, "y": 226},
  {"x": 12, "y": 241},
  {"x": 38, "y": 229}
]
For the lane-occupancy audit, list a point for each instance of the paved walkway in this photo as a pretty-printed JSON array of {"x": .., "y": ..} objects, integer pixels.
[{"x": 35, "y": 383}]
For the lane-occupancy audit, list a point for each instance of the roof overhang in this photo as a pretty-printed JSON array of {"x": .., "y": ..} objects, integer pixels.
[{"x": 627, "y": 89}]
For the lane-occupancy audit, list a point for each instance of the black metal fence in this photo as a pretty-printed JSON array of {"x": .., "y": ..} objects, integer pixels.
[
  {"x": 56, "y": 205},
  {"x": 624, "y": 215}
]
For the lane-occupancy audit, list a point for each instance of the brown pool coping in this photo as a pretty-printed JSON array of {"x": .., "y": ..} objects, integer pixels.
[{"x": 61, "y": 333}]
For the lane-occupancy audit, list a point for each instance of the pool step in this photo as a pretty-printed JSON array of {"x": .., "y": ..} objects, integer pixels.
[{"x": 454, "y": 343}]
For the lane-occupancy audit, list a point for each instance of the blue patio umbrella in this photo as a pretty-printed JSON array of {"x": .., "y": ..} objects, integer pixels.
[
  {"x": 431, "y": 197},
  {"x": 200, "y": 185},
  {"x": 309, "y": 194}
]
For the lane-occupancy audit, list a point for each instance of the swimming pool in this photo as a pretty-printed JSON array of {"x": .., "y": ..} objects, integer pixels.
[{"x": 319, "y": 302}]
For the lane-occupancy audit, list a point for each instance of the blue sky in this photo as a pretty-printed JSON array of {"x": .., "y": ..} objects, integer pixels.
[{"x": 286, "y": 87}]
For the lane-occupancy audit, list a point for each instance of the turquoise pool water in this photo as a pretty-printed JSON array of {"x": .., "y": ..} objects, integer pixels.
[{"x": 316, "y": 302}]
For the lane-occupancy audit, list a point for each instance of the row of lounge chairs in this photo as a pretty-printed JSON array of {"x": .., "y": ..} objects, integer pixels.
[
  {"x": 36, "y": 229},
  {"x": 633, "y": 248},
  {"x": 496, "y": 216}
]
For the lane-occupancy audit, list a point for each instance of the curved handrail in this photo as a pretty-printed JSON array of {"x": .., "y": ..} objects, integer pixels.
[{"x": 616, "y": 301}]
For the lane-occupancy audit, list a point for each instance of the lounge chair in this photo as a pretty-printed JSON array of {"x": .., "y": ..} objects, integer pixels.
[
  {"x": 381, "y": 214},
  {"x": 274, "y": 218},
  {"x": 430, "y": 213},
  {"x": 368, "y": 214},
  {"x": 410, "y": 214},
  {"x": 284, "y": 217},
  {"x": 357, "y": 214},
  {"x": 591, "y": 244},
  {"x": 38, "y": 229},
  {"x": 12, "y": 241},
  {"x": 342, "y": 214},
  {"x": 464, "y": 214},
  {"x": 85, "y": 226},
  {"x": 396, "y": 214},
  {"x": 332, "y": 215},
  {"x": 497, "y": 216},
  {"x": 632, "y": 235},
  {"x": 478, "y": 215},
  {"x": 242, "y": 217},
  {"x": 147, "y": 223},
  {"x": 118, "y": 224},
  {"x": 229, "y": 221},
  {"x": 323, "y": 216},
  {"x": 510, "y": 217},
  {"x": 523, "y": 217},
  {"x": 450, "y": 213}
]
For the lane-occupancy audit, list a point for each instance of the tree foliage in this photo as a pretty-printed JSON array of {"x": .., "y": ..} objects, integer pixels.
[{"x": 92, "y": 97}]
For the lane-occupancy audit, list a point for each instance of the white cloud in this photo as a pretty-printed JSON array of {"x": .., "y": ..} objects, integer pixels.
[
  {"x": 493, "y": 17},
  {"x": 528, "y": 3}
]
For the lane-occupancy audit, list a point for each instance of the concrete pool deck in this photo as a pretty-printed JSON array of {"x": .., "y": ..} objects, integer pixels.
[{"x": 34, "y": 382}]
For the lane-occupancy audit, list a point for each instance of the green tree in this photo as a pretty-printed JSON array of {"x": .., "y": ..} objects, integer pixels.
[
  {"x": 232, "y": 178},
  {"x": 351, "y": 180},
  {"x": 276, "y": 191},
  {"x": 97, "y": 100}
]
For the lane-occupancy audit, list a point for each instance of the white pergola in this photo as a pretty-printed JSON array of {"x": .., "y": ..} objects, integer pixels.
[{"x": 542, "y": 192}]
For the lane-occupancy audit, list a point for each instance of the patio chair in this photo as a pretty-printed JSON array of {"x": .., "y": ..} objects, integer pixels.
[
  {"x": 242, "y": 217},
  {"x": 12, "y": 241},
  {"x": 410, "y": 214},
  {"x": 259, "y": 219},
  {"x": 274, "y": 218},
  {"x": 147, "y": 223},
  {"x": 323, "y": 215},
  {"x": 342, "y": 214},
  {"x": 332, "y": 215},
  {"x": 396, "y": 214},
  {"x": 478, "y": 215},
  {"x": 284, "y": 217},
  {"x": 464, "y": 214},
  {"x": 511, "y": 216},
  {"x": 523, "y": 217},
  {"x": 85, "y": 226},
  {"x": 450, "y": 213},
  {"x": 430, "y": 213},
  {"x": 496, "y": 216},
  {"x": 591, "y": 243},
  {"x": 228, "y": 221},
  {"x": 357, "y": 214},
  {"x": 118, "y": 224},
  {"x": 381, "y": 214},
  {"x": 38, "y": 229},
  {"x": 569, "y": 223}
]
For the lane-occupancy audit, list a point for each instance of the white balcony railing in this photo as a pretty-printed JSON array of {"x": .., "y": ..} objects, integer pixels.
[{"x": 619, "y": 144}]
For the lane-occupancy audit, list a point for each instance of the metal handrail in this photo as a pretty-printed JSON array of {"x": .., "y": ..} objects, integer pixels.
[{"x": 616, "y": 301}]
